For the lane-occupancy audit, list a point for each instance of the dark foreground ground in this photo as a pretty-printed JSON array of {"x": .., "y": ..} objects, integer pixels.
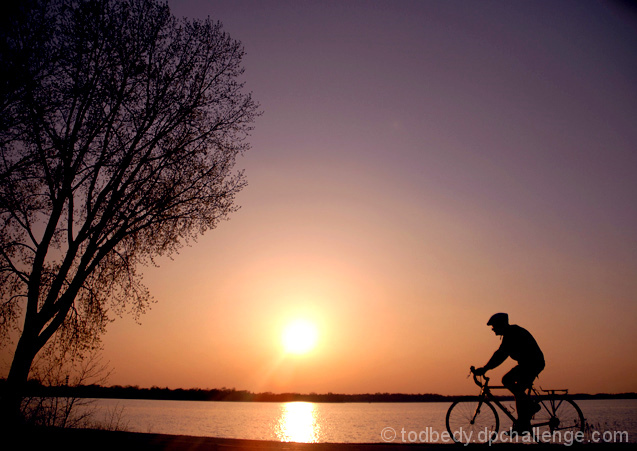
[{"x": 90, "y": 440}]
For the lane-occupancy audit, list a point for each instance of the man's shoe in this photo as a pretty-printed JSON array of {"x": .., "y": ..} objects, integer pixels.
[{"x": 534, "y": 408}]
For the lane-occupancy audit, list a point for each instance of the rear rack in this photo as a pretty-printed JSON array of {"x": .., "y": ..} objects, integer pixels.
[{"x": 562, "y": 391}]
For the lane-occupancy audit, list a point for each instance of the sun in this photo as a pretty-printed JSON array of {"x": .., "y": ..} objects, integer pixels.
[{"x": 299, "y": 337}]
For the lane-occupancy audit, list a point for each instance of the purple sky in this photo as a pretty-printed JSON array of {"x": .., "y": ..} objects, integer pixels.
[{"x": 520, "y": 109}]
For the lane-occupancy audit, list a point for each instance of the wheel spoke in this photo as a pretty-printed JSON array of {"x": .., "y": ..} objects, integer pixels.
[{"x": 472, "y": 421}]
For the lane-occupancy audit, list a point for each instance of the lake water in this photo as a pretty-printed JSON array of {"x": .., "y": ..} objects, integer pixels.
[{"x": 615, "y": 420}]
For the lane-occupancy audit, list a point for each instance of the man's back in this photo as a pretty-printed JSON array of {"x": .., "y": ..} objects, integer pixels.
[{"x": 520, "y": 345}]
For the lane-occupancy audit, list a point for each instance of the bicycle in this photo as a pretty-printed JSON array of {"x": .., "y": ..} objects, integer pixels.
[{"x": 475, "y": 419}]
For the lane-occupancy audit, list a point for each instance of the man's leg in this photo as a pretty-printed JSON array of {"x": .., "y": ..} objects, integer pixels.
[{"x": 517, "y": 381}]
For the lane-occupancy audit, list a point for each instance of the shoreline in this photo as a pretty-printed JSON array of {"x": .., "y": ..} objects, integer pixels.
[
  {"x": 232, "y": 395},
  {"x": 95, "y": 439}
]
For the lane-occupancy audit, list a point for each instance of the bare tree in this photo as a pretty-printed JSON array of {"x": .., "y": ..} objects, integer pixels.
[{"x": 119, "y": 130}]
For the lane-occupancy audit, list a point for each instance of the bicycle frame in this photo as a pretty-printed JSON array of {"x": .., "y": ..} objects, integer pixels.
[{"x": 485, "y": 394}]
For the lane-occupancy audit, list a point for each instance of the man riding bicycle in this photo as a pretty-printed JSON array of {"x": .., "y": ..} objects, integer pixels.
[{"x": 520, "y": 345}]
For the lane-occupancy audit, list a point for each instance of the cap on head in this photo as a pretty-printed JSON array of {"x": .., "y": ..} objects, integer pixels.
[{"x": 499, "y": 319}]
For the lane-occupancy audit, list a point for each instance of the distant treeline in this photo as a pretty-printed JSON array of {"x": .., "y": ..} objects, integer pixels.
[{"x": 231, "y": 394}]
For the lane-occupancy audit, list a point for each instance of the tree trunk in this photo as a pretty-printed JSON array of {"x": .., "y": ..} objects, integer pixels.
[{"x": 10, "y": 415}]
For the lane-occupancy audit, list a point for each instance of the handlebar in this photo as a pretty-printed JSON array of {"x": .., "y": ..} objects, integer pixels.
[{"x": 475, "y": 378}]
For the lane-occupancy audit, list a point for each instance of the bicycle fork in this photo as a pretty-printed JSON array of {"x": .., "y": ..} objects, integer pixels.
[{"x": 476, "y": 413}]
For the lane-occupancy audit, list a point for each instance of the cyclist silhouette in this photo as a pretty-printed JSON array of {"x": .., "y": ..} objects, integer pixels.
[{"x": 520, "y": 345}]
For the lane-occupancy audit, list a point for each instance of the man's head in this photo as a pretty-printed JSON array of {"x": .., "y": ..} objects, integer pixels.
[{"x": 499, "y": 322}]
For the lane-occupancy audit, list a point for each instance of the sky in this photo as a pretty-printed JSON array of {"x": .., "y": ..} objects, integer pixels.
[{"x": 419, "y": 166}]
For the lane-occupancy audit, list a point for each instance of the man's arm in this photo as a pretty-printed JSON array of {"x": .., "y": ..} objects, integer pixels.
[{"x": 496, "y": 360}]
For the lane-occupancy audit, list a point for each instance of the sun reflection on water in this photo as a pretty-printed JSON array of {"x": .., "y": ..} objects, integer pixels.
[{"x": 298, "y": 423}]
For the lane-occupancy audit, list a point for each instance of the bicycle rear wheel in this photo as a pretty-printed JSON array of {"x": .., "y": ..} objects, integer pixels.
[
  {"x": 472, "y": 421},
  {"x": 558, "y": 421}
]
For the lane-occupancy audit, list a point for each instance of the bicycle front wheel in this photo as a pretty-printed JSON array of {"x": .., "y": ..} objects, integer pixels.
[
  {"x": 558, "y": 421},
  {"x": 472, "y": 421}
]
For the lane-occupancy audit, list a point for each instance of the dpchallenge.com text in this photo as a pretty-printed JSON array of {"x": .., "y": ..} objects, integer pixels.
[{"x": 567, "y": 437}]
